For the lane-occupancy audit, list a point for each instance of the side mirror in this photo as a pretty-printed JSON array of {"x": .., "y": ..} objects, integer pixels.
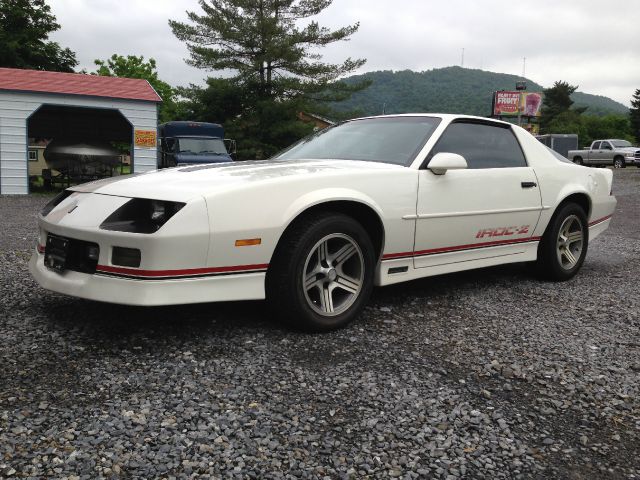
[{"x": 443, "y": 161}]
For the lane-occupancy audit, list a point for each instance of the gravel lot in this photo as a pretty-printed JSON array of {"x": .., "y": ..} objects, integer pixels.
[{"x": 488, "y": 374}]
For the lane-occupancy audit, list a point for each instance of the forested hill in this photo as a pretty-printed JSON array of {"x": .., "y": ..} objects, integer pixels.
[{"x": 448, "y": 90}]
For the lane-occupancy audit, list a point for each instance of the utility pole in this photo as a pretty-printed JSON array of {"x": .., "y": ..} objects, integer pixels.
[
  {"x": 524, "y": 64},
  {"x": 462, "y": 61}
]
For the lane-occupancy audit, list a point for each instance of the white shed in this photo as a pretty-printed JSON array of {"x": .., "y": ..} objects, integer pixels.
[{"x": 50, "y": 104}]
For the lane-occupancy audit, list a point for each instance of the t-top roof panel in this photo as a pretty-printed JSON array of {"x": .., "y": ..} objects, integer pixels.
[{"x": 77, "y": 84}]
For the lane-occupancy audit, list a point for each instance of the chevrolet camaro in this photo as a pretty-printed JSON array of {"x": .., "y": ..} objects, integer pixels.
[{"x": 372, "y": 201}]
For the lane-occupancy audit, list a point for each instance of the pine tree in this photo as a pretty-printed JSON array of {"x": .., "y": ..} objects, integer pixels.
[
  {"x": 275, "y": 61},
  {"x": 557, "y": 101},
  {"x": 634, "y": 115}
]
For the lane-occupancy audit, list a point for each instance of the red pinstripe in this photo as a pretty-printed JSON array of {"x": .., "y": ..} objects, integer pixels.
[
  {"x": 599, "y": 220},
  {"x": 457, "y": 248},
  {"x": 178, "y": 273}
]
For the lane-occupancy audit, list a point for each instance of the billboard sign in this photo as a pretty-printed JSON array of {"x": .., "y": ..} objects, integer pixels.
[
  {"x": 507, "y": 104},
  {"x": 531, "y": 104},
  {"x": 512, "y": 104}
]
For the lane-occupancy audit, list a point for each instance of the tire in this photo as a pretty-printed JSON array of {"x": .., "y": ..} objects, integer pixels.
[
  {"x": 308, "y": 286},
  {"x": 560, "y": 256},
  {"x": 618, "y": 162},
  {"x": 578, "y": 161}
]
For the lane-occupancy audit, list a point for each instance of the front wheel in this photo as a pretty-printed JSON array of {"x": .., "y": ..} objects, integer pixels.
[
  {"x": 322, "y": 272},
  {"x": 618, "y": 162},
  {"x": 564, "y": 245}
]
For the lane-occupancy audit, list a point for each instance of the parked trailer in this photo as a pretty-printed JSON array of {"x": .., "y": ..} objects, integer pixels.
[{"x": 560, "y": 142}]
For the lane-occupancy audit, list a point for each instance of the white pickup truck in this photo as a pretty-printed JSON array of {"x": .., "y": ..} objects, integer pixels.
[{"x": 618, "y": 153}]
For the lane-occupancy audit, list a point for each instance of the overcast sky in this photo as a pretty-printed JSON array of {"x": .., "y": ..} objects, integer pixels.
[{"x": 593, "y": 44}]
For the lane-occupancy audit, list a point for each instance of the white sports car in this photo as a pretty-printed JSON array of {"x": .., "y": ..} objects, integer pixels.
[{"x": 373, "y": 201}]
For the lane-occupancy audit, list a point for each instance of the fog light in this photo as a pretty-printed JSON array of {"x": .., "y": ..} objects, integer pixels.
[
  {"x": 125, "y": 257},
  {"x": 93, "y": 253}
]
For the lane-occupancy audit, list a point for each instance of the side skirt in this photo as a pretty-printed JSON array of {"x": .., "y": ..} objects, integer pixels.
[{"x": 452, "y": 262}]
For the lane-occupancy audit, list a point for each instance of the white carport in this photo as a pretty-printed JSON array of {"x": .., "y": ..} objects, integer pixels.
[{"x": 52, "y": 104}]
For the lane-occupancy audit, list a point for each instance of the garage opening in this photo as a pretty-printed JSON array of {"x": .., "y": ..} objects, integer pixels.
[{"x": 71, "y": 145}]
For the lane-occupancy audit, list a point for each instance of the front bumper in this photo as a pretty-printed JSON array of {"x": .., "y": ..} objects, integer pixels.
[{"x": 125, "y": 291}]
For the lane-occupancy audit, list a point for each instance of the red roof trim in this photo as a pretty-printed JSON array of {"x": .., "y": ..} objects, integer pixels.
[{"x": 37, "y": 81}]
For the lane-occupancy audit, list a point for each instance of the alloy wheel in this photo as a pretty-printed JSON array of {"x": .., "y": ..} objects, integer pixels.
[
  {"x": 333, "y": 274},
  {"x": 570, "y": 242}
]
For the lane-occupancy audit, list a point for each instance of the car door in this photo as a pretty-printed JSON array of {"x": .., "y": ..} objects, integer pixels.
[
  {"x": 595, "y": 154},
  {"x": 606, "y": 153},
  {"x": 488, "y": 210}
]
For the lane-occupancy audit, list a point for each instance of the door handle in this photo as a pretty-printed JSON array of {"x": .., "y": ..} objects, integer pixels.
[{"x": 528, "y": 184}]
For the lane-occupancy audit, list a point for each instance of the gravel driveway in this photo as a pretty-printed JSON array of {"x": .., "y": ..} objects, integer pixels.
[{"x": 488, "y": 374}]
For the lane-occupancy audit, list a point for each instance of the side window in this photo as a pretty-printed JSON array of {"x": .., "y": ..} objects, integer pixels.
[
  {"x": 482, "y": 145},
  {"x": 596, "y": 146},
  {"x": 170, "y": 144},
  {"x": 606, "y": 146}
]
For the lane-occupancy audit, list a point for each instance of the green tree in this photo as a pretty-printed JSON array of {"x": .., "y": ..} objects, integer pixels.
[
  {"x": 557, "y": 101},
  {"x": 220, "y": 101},
  {"x": 634, "y": 115},
  {"x": 132, "y": 66},
  {"x": 608, "y": 126},
  {"x": 272, "y": 57},
  {"x": 25, "y": 26}
]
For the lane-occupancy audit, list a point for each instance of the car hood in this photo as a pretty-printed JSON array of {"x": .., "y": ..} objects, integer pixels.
[
  {"x": 628, "y": 149},
  {"x": 184, "y": 183}
]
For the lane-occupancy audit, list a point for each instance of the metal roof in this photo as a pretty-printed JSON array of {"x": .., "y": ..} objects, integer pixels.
[{"x": 15, "y": 79}]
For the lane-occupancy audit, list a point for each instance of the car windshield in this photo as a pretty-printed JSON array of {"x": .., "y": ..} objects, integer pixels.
[
  {"x": 200, "y": 146},
  {"x": 386, "y": 140},
  {"x": 620, "y": 143}
]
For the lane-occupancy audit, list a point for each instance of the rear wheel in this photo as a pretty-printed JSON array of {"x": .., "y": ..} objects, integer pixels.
[
  {"x": 618, "y": 162},
  {"x": 322, "y": 272},
  {"x": 578, "y": 161},
  {"x": 564, "y": 245}
]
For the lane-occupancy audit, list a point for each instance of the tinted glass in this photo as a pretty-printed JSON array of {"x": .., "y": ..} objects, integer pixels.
[
  {"x": 200, "y": 145},
  {"x": 621, "y": 143},
  {"x": 596, "y": 146},
  {"x": 559, "y": 156},
  {"x": 482, "y": 145},
  {"x": 385, "y": 140},
  {"x": 605, "y": 146}
]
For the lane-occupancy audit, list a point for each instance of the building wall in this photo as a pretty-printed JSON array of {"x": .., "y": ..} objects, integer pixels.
[
  {"x": 39, "y": 163},
  {"x": 17, "y": 107}
]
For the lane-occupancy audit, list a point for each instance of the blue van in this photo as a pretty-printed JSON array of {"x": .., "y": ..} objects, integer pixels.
[{"x": 191, "y": 143}]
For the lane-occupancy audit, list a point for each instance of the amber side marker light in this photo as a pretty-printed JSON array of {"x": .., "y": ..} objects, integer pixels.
[{"x": 247, "y": 242}]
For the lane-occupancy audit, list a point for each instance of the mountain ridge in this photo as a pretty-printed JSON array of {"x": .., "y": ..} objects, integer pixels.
[{"x": 449, "y": 90}]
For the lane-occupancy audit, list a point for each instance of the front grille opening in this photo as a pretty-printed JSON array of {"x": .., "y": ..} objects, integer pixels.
[{"x": 125, "y": 257}]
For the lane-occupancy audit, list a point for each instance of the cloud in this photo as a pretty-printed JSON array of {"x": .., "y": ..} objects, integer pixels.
[{"x": 580, "y": 41}]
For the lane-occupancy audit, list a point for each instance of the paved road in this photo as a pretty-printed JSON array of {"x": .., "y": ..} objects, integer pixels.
[{"x": 489, "y": 374}]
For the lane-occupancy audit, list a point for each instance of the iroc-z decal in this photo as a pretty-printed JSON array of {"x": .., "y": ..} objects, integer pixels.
[{"x": 503, "y": 231}]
